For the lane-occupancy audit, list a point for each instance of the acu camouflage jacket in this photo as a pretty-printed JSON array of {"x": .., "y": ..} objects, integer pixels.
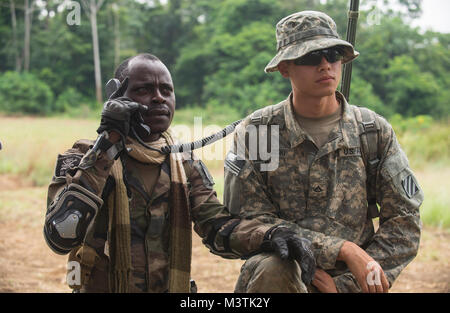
[{"x": 321, "y": 193}]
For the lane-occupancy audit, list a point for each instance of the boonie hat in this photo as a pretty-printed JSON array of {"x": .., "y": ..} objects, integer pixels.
[{"x": 304, "y": 32}]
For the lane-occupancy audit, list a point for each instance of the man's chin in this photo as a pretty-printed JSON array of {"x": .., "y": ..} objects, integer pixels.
[
  {"x": 325, "y": 92},
  {"x": 160, "y": 123},
  {"x": 159, "y": 128}
]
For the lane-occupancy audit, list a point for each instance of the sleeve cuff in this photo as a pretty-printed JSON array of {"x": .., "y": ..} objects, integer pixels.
[
  {"x": 346, "y": 283},
  {"x": 328, "y": 253},
  {"x": 248, "y": 236}
]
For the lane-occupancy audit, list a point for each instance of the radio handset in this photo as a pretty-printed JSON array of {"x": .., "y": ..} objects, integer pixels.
[{"x": 115, "y": 89}]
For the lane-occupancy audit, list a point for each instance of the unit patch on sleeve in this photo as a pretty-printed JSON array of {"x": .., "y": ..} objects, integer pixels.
[
  {"x": 409, "y": 185},
  {"x": 66, "y": 162}
]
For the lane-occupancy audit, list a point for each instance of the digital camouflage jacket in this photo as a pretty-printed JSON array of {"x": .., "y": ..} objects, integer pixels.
[{"x": 321, "y": 193}]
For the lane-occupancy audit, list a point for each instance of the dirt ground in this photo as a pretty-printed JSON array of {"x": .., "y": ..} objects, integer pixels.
[{"x": 28, "y": 265}]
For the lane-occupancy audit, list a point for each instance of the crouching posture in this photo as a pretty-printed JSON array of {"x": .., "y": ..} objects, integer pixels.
[{"x": 330, "y": 165}]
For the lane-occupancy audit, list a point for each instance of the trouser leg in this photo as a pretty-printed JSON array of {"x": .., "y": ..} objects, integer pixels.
[{"x": 266, "y": 272}]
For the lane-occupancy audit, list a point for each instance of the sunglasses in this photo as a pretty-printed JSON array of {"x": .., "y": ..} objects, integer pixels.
[{"x": 315, "y": 58}]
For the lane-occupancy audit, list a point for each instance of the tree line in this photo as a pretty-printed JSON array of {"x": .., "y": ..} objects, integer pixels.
[{"x": 58, "y": 54}]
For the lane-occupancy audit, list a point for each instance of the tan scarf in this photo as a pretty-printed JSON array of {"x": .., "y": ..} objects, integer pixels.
[{"x": 180, "y": 245}]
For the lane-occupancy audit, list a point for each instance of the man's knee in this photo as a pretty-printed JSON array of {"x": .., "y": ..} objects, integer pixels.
[{"x": 267, "y": 272}]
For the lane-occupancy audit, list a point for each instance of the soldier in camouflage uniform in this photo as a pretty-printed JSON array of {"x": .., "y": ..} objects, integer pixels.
[
  {"x": 326, "y": 165},
  {"x": 117, "y": 207}
]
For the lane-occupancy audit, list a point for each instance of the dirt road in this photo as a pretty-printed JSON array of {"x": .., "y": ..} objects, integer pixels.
[{"x": 28, "y": 265}]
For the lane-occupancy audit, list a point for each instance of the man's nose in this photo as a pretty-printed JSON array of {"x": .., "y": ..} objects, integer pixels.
[
  {"x": 324, "y": 64},
  {"x": 157, "y": 97}
]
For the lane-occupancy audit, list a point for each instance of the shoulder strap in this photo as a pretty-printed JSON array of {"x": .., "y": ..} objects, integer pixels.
[
  {"x": 267, "y": 115},
  {"x": 264, "y": 116},
  {"x": 369, "y": 135}
]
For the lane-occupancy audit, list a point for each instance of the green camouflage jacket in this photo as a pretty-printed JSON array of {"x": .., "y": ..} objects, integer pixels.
[
  {"x": 321, "y": 193},
  {"x": 148, "y": 212}
]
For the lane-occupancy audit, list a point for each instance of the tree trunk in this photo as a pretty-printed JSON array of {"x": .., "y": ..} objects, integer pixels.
[
  {"x": 116, "y": 38},
  {"x": 14, "y": 35},
  {"x": 98, "y": 75},
  {"x": 26, "y": 44}
]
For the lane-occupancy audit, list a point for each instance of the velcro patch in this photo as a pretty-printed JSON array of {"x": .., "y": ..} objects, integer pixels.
[
  {"x": 410, "y": 186},
  {"x": 66, "y": 162},
  {"x": 233, "y": 164},
  {"x": 208, "y": 180}
]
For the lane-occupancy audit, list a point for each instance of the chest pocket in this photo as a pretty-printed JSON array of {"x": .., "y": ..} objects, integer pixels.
[
  {"x": 287, "y": 184},
  {"x": 348, "y": 203}
]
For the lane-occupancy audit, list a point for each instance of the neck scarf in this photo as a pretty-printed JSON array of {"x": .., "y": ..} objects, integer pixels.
[{"x": 180, "y": 244}]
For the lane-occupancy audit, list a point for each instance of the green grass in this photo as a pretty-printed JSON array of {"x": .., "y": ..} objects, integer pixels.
[
  {"x": 31, "y": 145},
  {"x": 213, "y": 115},
  {"x": 425, "y": 141},
  {"x": 434, "y": 181}
]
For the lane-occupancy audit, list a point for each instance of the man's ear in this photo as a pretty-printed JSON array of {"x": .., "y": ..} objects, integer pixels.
[{"x": 283, "y": 69}]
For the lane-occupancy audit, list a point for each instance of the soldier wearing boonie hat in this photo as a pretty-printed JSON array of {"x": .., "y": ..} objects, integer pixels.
[
  {"x": 335, "y": 165},
  {"x": 303, "y": 32}
]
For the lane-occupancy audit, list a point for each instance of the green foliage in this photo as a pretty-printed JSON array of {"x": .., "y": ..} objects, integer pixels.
[
  {"x": 216, "y": 51},
  {"x": 409, "y": 90},
  {"x": 362, "y": 94},
  {"x": 425, "y": 140},
  {"x": 70, "y": 98},
  {"x": 407, "y": 70},
  {"x": 240, "y": 80},
  {"x": 24, "y": 93}
]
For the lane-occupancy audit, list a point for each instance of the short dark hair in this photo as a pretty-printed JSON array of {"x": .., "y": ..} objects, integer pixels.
[{"x": 122, "y": 70}]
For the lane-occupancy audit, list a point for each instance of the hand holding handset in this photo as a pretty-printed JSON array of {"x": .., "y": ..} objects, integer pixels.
[{"x": 121, "y": 114}]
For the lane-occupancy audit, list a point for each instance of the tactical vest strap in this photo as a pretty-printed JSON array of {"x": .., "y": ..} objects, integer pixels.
[
  {"x": 369, "y": 129},
  {"x": 258, "y": 118},
  {"x": 263, "y": 116},
  {"x": 369, "y": 135}
]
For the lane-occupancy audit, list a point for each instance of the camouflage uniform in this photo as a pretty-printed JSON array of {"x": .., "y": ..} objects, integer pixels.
[
  {"x": 320, "y": 193},
  {"x": 149, "y": 186}
]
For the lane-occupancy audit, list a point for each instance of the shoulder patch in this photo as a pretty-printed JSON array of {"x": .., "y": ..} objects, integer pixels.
[
  {"x": 233, "y": 164},
  {"x": 410, "y": 186},
  {"x": 66, "y": 162},
  {"x": 208, "y": 180}
]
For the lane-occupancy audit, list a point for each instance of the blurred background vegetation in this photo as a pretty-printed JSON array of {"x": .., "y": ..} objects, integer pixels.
[
  {"x": 52, "y": 78},
  {"x": 215, "y": 50}
]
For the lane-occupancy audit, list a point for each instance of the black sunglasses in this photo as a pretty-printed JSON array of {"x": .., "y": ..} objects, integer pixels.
[{"x": 315, "y": 58}]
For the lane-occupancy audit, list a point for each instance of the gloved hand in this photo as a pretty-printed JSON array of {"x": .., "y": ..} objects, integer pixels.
[
  {"x": 120, "y": 112},
  {"x": 288, "y": 244}
]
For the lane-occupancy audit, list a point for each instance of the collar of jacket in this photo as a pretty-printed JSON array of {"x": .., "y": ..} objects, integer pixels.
[{"x": 345, "y": 135}]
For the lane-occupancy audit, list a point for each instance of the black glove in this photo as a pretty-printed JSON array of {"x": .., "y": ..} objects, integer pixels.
[
  {"x": 120, "y": 113},
  {"x": 288, "y": 244}
]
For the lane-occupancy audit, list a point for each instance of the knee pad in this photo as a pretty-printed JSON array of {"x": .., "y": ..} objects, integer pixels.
[{"x": 69, "y": 217}]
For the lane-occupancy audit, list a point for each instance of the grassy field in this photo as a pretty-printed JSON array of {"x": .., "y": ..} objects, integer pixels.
[
  {"x": 30, "y": 148},
  {"x": 31, "y": 145}
]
